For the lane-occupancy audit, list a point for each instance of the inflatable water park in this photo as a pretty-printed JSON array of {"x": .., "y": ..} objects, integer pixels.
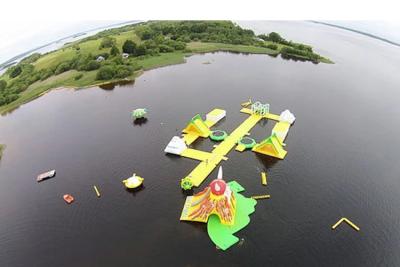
[
  {"x": 273, "y": 145},
  {"x": 221, "y": 205}
]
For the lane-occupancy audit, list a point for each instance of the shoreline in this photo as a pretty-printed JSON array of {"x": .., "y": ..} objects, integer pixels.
[
  {"x": 31, "y": 95},
  {"x": 6, "y": 109},
  {"x": 96, "y": 60}
]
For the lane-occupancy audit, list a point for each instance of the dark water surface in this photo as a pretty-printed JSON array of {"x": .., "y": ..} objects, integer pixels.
[{"x": 343, "y": 161}]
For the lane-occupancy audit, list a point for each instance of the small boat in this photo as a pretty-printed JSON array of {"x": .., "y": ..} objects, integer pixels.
[
  {"x": 46, "y": 175},
  {"x": 133, "y": 182},
  {"x": 68, "y": 198}
]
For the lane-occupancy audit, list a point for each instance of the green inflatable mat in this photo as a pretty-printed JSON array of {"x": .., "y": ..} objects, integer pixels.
[{"x": 222, "y": 235}]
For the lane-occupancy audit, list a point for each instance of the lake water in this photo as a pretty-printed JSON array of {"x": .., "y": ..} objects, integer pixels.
[{"x": 343, "y": 161}]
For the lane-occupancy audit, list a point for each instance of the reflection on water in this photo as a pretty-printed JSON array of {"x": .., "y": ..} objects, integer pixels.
[
  {"x": 112, "y": 85},
  {"x": 139, "y": 121},
  {"x": 342, "y": 161}
]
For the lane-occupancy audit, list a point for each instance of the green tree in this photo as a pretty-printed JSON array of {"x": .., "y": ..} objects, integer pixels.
[
  {"x": 114, "y": 51},
  {"x": 3, "y": 84},
  {"x": 129, "y": 47},
  {"x": 105, "y": 73},
  {"x": 275, "y": 37}
]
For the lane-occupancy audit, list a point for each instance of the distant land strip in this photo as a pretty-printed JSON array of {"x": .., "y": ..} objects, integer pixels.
[{"x": 357, "y": 31}]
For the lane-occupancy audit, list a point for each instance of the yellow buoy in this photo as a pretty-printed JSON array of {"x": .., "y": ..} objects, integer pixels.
[
  {"x": 133, "y": 182},
  {"x": 97, "y": 191},
  {"x": 355, "y": 227},
  {"x": 264, "y": 178}
]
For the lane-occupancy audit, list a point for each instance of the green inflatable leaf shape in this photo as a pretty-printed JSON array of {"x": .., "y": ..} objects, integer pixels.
[{"x": 222, "y": 235}]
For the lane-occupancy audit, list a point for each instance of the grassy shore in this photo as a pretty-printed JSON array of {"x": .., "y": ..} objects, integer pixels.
[
  {"x": 220, "y": 37},
  {"x": 88, "y": 79}
]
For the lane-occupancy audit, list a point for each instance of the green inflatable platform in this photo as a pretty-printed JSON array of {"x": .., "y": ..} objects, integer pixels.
[{"x": 222, "y": 235}]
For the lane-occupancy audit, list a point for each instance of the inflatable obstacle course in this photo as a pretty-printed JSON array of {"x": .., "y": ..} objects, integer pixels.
[
  {"x": 271, "y": 146},
  {"x": 223, "y": 235},
  {"x": 197, "y": 127},
  {"x": 223, "y": 208},
  {"x": 217, "y": 199}
]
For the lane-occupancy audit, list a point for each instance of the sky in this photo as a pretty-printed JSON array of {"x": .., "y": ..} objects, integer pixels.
[{"x": 21, "y": 36}]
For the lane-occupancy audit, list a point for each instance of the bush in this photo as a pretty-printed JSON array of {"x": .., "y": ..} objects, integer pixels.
[
  {"x": 92, "y": 65},
  {"x": 3, "y": 84},
  {"x": 44, "y": 74},
  {"x": 165, "y": 48},
  {"x": 63, "y": 67},
  {"x": 10, "y": 98},
  {"x": 32, "y": 58},
  {"x": 114, "y": 51},
  {"x": 78, "y": 77},
  {"x": 105, "y": 73},
  {"x": 15, "y": 71},
  {"x": 122, "y": 71},
  {"x": 117, "y": 61},
  {"x": 272, "y": 46},
  {"x": 140, "y": 50}
]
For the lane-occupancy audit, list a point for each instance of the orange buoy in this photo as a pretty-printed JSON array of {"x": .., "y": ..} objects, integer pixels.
[{"x": 68, "y": 198}]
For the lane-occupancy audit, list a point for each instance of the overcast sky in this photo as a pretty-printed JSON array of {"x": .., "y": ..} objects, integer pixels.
[{"x": 21, "y": 36}]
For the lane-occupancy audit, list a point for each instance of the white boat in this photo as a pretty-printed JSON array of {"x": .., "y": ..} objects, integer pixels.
[{"x": 46, "y": 175}]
